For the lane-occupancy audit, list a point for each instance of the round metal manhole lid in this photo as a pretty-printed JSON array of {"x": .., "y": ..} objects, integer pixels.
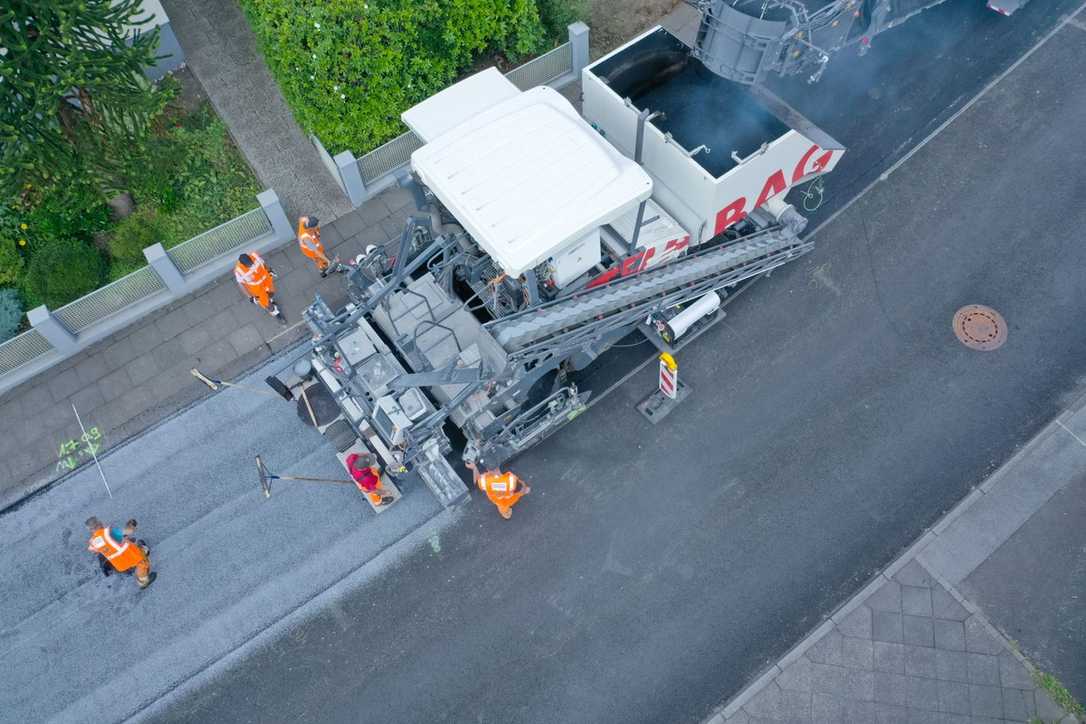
[{"x": 980, "y": 327}]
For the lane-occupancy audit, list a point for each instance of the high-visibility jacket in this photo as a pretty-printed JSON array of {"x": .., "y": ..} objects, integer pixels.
[
  {"x": 121, "y": 554},
  {"x": 503, "y": 489},
  {"x": 256, "y": 279},
  {"x": 309, "y": 241}
]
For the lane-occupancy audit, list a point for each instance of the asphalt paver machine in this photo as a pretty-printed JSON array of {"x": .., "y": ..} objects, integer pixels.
[{"x": 542, "y": 236}]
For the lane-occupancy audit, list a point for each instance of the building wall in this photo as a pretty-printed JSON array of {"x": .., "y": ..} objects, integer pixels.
[{"x": 167, "y": 41}]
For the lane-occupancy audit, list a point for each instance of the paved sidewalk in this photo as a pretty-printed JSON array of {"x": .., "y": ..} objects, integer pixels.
[
  {"x": 139, "y": 376},
  {"x": 924, "y": 641},
  {"x": 221, "y": 51}
]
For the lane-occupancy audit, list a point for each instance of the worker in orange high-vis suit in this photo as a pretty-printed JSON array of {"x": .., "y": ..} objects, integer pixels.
[
  {"x": 503, "y": 489},
  {"x": 309, "y": 241},
  {"x": 257, "y": 281},
  {"x": 118, "y": 552}
]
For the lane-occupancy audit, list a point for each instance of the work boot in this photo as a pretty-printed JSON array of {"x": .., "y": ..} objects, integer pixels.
[{"x": 150, "y": 579}]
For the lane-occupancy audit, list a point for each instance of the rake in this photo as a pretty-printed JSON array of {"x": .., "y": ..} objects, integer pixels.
[{"x": 267, "y": 476}]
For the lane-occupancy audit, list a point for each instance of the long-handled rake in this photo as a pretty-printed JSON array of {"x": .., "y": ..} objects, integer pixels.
[
  {"x": 267, "y": 476},
  {"x": 277, "y": 391}
]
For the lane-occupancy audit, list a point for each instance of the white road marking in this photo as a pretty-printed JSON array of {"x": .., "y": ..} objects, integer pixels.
[{"x": 1072, "y": 434}]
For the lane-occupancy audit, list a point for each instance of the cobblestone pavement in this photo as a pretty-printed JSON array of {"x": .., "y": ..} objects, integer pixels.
[
  {"x": 912, "y": 652},
  {"x": 139, "y": 376}
]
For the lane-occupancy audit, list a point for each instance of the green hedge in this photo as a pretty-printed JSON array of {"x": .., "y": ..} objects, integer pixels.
[
  {"x": 348, "y": 68},
  {"x": 63, "y": 270}
]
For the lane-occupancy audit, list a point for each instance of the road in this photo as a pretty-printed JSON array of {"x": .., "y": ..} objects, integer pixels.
[
  {"x": 92, "y": 648},
  {"x": 654, "y": 570}
]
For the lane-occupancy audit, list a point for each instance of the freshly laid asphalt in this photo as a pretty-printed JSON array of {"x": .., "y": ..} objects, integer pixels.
[
  {"x": 654, "y": 570},
  {"x": 230, "y": 562}
]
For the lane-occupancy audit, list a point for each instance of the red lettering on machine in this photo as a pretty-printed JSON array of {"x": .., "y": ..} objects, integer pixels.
[{"x": 738, "y": 209}]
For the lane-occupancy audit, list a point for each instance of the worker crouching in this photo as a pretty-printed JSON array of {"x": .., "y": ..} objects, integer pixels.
[
  {"x": 367, "y": 477},
  {"x": 503, "y": 489},
  {"x": 119, "y": 551}
]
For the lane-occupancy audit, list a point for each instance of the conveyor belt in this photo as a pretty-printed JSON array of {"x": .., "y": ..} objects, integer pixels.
[{"x": 577, "y": 318}]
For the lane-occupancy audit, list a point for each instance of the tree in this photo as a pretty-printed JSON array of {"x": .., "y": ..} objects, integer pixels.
[{"x": 73, "y": 97}]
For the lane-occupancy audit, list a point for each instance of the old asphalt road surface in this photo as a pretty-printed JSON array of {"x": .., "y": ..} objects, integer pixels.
[{"x": 834, "y": 416}]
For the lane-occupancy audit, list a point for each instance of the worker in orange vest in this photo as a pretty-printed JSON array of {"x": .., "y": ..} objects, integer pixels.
[
  {"x": 118, "y": 552},
  {"x": 503, "y": 489},
  {"x": 257, "y": 281},
  {"x": 309, "y": 241}
]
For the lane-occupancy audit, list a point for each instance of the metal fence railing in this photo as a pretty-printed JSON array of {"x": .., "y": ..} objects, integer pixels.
[
  {"x": 552, "y": 64},
  {"x": 395, "y": 154},
  {"x": 170, "y": 274},
  {"x": 20, "y": 349},
  {"x": 110, "y": 299},
  {"x": 215, "y": 242},
  {"x": 388, "y": 157}
]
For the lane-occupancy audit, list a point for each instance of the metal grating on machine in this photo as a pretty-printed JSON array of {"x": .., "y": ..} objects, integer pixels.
[{"x": 443, "y": 483}]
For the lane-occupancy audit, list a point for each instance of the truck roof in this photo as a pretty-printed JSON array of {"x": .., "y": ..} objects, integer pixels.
[{"x": 528, "y": 177}]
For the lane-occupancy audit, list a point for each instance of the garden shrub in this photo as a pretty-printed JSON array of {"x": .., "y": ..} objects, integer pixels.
[
  {"x": 557, "y": 15},
  {"x": 186, "y": 177},
  {"x": 11, "y": 313},
  {"x": 67, "y": 209},
  {"x": 11, "y": 261},
  {"x": 203, "y": 180},
  {"x": 134, "y": 234},
  {"x": 349, "y": 68},
  {"x": 62, "y": 270}
]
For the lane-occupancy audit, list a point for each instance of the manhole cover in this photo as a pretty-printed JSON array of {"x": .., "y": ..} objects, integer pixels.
[{"x": 980, "y": 327}]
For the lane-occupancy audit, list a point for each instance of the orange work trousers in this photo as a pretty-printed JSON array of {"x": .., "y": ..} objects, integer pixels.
[
  {"x": 318, "y": 257},
  {"x": 262, "y": 293}
]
